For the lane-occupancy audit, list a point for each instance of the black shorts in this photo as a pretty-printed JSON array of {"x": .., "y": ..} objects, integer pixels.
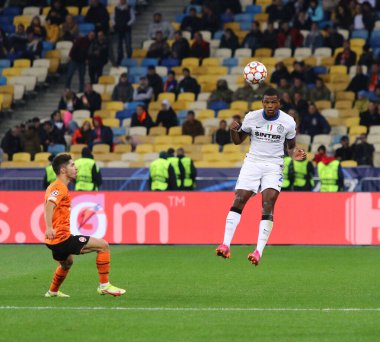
[{"x": 73, "y": 245}]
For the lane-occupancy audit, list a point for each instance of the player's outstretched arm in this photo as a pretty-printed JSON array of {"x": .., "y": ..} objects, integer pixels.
[
  {"x": 237, "y": 136},
  {"x": 295, "y": 152}
]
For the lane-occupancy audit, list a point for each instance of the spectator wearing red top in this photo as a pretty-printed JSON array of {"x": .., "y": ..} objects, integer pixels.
[
  {"x": 200, "y": 47},
  {"x": 141, "y": 118},
  {"x": 374, "y": 77},
  {"x": 289, "y": 37},
  {"x": 102, "y": 134},
  {"x": 321, "y": 154},
  {"x": 347, "y": 57},
  {"x": 84, "y": 134}
]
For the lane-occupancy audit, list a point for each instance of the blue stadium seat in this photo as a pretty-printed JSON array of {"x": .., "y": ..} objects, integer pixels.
[
  {"x": 375, "y": 40},
  {"x": 5, "y": 63},
  {"x": 47, "y": 45},
  {"x": 11, "y": 11},
  {"x": 132, "y": 105},
  {"x": 124, "y": 114},
  {"x": 218, "y": 35},
  {"x": 243, "y": 17},
  {"x": 8, "y": 28},
  {"x": 218, "y": 105},
  {"x": 6, "y": 19},
  {"x": 119, "y": 131},
  {"x": 149, "y": 61},
  {"x": 320, "y": 70},
  {"x": 246, "y": 26},
  {"x": 182, "y": 114},
  {"x": 226, "y": 18},
  {"x": 56, "y": 148},
  {"x": 79, "y": 19},
  {"x": 197, "y": 7},
  {"x": 359, "y": 34},
  {"x": 86, "y": 28},
  {"x": 179, "y": 18},
  {"x": 254, "y": 9},
  {"x": 138, "y": 71},
  {"x": 129, "y": 62},
  {"x": 3, "y": 80},
  {"x": 170, "y": 62},
  {"x": 230, "y": 62}
]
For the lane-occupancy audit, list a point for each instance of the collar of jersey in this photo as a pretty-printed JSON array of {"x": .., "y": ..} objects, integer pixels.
[{"x": 271, "y": 119}]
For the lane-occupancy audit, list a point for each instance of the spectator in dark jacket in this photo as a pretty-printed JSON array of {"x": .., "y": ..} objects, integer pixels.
[
  {"x": 90, "y": 100},
  {"x": 57, "y": 13},
  {"x": 314, "y": 123},
  {"x": 347, "y": 57},
  {"x": 18, "y": 41},
  {"x": 155, "y": 81},
  {"x": 33, "y": 48},
  {"x": 192, "y": 126},
  {"x": 371, "y": 116},
  {"x": 102, "y": 134},
  {"x": 200, "y": 48},
  {"x": 57, "y": 120},
  {"x": 69, "y": 29},
  {"x": 98, "y": 15},
  {"x": 30, "y": 140},
  {"x": 166, "y": 117},
  {"x": 363, "y": 151},
  {"x": 188, "y": 83},
  {"x": 210, "y": 20},
  {"x": 345, "y": 151},
  {"x": 123, "y": 20},
  {"x": 123, "y": 91},
  {"x": 269, "y": 37},
  {"x": 37, "y": 29},
  {"x": 191, "y": 22},
  {"x": 289, "y": 37},
  {"x": 180, "y": 48},
  {"x": 171, "y": 84},
  {"x": 69, "y": 101},
  {"x": 143, "y": 92},
  {"x": 229, "y": 40},
  {"x": 141, "y": 118},
  {"x": 52, "y": 136},
  {"x": 97, "y": 56},
  {"x": 11, "y": 142},
  {"x": 159, "y": 48},
  {"x": 253, "y": 38},
  {"x": 359, "y": 82},
  {"x": 281, "y": 71},
  {"x": 222, "y": 135},
  {"x": 78, "y": 58}
]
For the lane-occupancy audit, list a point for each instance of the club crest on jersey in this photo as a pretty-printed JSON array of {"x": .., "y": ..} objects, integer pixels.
[
  {"x": 280, "y": 128},
  {"x": 54, "y": 193}
]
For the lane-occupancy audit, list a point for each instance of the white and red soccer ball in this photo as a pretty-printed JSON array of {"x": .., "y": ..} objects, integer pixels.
[{"x": 255, "y": 72}]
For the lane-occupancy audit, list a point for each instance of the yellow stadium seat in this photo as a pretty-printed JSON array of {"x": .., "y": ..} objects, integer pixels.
[
  {"x": 84, "y": 10},
  {"x": 139, "y": 53},
  {"x": 73, "y": 10},
  {"x": 22, "y": 157},
  {"x": 190, "y": 61},
  {"x": 203, "y": 139},
  {"x": 161, "y": 147},
  {"x": 208, "y": 87},
  {"x": 234, "y": 26},
  {"x": 77, "y": 148},
  {"x": 54, "y": 65},
  {"x": 113, "y": 123},
  {"x": 210, "y": 148},
  {"x": 263, "y": 52},
  {"x": 211, "y": 61},
  {"x": 349, "y": 163},
  {"x": 144, "y": 148},
  {"x": 21, "y": 63},
  {"x": 7, "y": 89},
  {"x": 182, "y": 140},
  {"x": 338, "y": 69},
  {"x": 352, "y": 122},
  {"x": 217, "y": 70},
  {"x": 10, "y": 72},
  {"x": 262, "y": 17},
  {"x": 239, "y": 105},
  {"x": 357, "y": 43},
  {"x": 154, "y": 106},
  {"x": 42, "y": 156},
  {"x": 186, "y": 97},
  {"x": 345, "y": 95},
  {"x": 107, "y": 157},
  {"x": 255, "y": 105},
  {"x": 113, "y": 105},
  {"x": 22, "y": 19},
  {"x": 107, "y": 79},
  {"x": 157, "y": 131},
  {"x": 212, "y": 156},
  {"x": 205, "y": 114},
  {"x": 311, "y": 61},
  {"x": 327, "y": 61},
  {"x": 208, "y": 79},
  {"x": 101, "y": 148},
  {"x": 349, "y": 113},
  {"x": 122, "y": 148},
  {"x": 227, "y": 113},
  {"x": 163, "y": 140},
  {"x": 323, "y": 104},
  {"x": 181, "y": 105},
  {"x": 166, "y": 96},
  {"x": 53, "y": 54},
  {"x": 343, "y": 104},
  {"x": 175, "y": 131},
  {"x": 231, "y": 148},
  {"x": 357, "y": 130},
  {"x": 105, "y": 113}
]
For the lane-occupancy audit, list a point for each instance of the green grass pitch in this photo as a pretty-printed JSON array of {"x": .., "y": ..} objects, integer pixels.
[{"x": 186, "y": 293}]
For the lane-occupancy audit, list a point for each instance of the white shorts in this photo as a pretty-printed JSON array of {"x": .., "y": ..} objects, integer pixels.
[{"x": 258, "y": 176}]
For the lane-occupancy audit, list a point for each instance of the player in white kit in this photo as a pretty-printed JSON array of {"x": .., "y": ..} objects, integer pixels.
[{"x": 268, "y": 129}]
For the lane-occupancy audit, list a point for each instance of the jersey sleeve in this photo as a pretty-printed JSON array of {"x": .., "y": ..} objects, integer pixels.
[
  {"x": 291, "y": 131},
  {"x": 245, "y": 126},
  {"x": 56, "y": 194}
]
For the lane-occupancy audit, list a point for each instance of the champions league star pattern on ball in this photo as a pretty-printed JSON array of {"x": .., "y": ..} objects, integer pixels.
[{"x": 255, "y": 72}]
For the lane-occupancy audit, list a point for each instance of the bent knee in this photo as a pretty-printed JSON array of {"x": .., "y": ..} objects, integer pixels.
[
  {"x": 67, "y": 264},
  {"x": 268, "y": 207},
  {"x": 240, "y": 201},
  {"x": 104, "y": 246}
]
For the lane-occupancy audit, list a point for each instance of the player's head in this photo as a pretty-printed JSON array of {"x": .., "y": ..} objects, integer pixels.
[
  {"x": 271, "y": 102},
  {"x": 63, "y": 165}
]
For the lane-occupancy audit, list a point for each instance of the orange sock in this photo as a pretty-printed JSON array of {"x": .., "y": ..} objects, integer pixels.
[
  {"x": 59, "y": 276},
  {"x": 103, "y": 264}
]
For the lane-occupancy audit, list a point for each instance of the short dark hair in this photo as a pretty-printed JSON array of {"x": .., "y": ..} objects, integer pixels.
[
  {"x": 271, "y": 92},
  {"x": 59, "y": 161}
]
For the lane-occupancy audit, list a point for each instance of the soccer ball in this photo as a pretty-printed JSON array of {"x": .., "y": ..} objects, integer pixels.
[{"x": 255, "y": 72}]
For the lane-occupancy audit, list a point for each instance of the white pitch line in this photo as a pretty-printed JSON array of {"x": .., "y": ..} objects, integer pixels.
[{"x": 103, "y": 308}]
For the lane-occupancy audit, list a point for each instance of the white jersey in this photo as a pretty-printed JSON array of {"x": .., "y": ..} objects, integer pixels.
[{"x": 268, "y": 136}]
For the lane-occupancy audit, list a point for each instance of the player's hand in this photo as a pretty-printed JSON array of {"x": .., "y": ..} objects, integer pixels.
[
  {"x": 50, "y": 233},
  {"x": 299, "y": 154},
  {"x": 234, "y": 126}
]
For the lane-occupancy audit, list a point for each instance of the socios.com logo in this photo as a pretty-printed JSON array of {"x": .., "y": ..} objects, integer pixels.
[{"x": 88, "y": 216}]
